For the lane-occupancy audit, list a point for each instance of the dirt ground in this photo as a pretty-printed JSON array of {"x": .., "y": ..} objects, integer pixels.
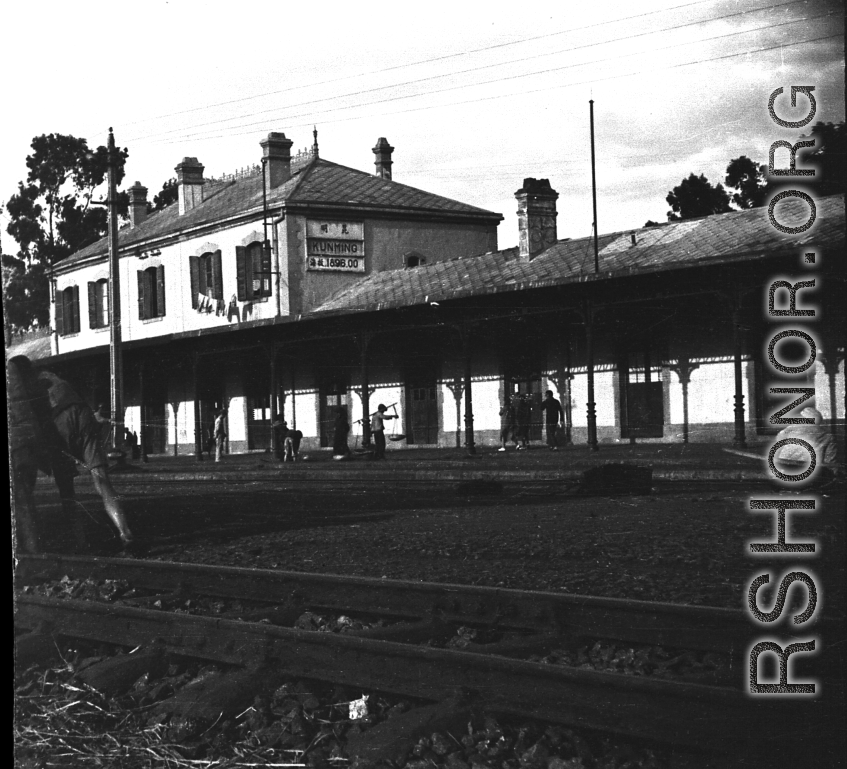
[{"x": 686, "y": 542}]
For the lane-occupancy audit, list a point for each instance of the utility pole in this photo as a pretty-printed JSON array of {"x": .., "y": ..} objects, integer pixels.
[
  {"x": 115, "y": 358},
  {"x": 594, "y": 189}
]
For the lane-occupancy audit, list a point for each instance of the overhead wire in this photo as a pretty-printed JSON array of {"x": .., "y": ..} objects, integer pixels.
[
  {"x": 221, "y": 121},
  {"x": 311, "y": 116},
  {"x": 431, "y": 60},
  {"x": 454, "y": 74}
]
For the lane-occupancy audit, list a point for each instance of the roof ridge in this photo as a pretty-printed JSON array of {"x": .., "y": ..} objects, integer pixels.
[
  {"x": 302, "y": 174},
  {"x": 395, "y": 183}
]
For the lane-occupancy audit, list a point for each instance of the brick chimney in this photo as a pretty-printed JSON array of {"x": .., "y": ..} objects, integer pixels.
[
  {"x": 189, "y": 179},
  {"x": 137, "y": 204},
  {"x": 536, "y": 217},
  {"x": 382, "y": 153},
  {"x": 276, "y": 155}
]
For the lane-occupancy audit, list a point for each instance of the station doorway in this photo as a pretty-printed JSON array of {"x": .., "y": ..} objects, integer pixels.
[
  {"x": 333, "y": 397},
  {"x": 642, "y": 397},
  {"x": 422, "y": 412}
]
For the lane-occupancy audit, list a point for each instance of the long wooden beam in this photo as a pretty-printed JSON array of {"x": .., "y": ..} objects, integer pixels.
[
  {"x": 724, "y": 631},
  {"x": 691, "y": 715}
]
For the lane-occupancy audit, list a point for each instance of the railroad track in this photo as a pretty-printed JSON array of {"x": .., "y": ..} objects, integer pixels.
[{"x": 385, "y": 653}]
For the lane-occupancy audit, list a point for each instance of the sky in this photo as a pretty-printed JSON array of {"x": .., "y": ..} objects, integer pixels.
[{"x": 474, "y": 97}]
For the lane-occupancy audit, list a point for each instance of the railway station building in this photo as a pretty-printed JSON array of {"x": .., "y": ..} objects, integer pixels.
[{"x": 304, "y": 286}]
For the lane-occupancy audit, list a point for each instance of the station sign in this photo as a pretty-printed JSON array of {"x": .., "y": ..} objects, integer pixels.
[{"x": 335, "y": 246}]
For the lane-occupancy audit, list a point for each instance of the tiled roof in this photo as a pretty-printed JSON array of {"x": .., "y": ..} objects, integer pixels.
[
  {"x": 723, "y": 238},
  {"x": 329, "y": 183},
  {"x": 318, "y": 183}
]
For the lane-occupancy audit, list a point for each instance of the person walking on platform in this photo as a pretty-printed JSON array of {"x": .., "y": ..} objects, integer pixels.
[
  {"x": 523, "y": 415},
  {"x": 340, "y": 449},
  {"x": 220, "y": 433},
  {"x": 507, "y": 424},
  {"x": 553, "y": 414},
  {"x": 378, "y": 430}
]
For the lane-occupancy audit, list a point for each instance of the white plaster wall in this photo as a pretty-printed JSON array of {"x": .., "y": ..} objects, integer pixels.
[
  {"x": 179, "y": 316},
  {"x": 711, "y": 395},
  {"x": 305, "y": 402},
  {"x": 448, "y": 411},
  {"x": 236, "y": 419},
  {"x": 604, "y": 398},
  {"x": 486, "y": 404},
  {"x": 132, "y": 418}
]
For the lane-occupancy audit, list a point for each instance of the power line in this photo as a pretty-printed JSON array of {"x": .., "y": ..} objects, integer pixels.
[
  {"x": 311, "y": 115},
  {"x": 555, "y": 87},
  {"x": 490, "y": 66},
  {"x": 419, "y": 62}
]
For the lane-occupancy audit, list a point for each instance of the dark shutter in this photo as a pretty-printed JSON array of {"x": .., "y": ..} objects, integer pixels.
[
  {"x": 194, "y": 269},
  {"x": 60, "y": 313},
  {"x": 244, "y": 275},
  {"x": 75, "y": 305},
  {"x": 266, "y": 269},
  {"x": 142, "y": 315},
  {"x": 217, "y": 275},
  {"x": 93, "y": 320},
  {"x": 160, "y": 290}
]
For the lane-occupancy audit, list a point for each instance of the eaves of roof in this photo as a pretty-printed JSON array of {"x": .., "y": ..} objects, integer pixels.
[{"x": 742, "y": 236}]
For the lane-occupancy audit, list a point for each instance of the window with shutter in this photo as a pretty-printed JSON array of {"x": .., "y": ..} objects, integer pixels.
[
  {"x": 67, "y": 311},
  {"x": 75, "y": 308},
  {"x": 93, "y": 315},
  {"x": 244, "y": 276},
  {"x": 194, "y": 270},
  {"x": 217, "y": 275},
  {"x": 207, "y": 282},
  {"x": 266, "y": 271},
  {"x": 254, "y": 251},
  {"x": 160, "y": 291},
  {"x": 104, "y": 298},
  {"x": 98, "y": 303},
  {"x": 60, "y": 313},
  {"x": 142, "y": 304},
  {"x": 150, "y": 294}
]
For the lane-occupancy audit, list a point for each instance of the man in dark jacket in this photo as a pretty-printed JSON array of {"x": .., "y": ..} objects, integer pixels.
[{"x": 552, "y": 415}]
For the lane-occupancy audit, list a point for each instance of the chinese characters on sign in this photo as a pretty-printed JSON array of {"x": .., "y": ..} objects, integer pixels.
[{"x": 335, "y": 246}]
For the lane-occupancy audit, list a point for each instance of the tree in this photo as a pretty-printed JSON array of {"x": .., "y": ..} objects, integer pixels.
[
  {"x": 651, "y": 223},
  {"x": 52, "y": 217},
  {"x": 829, "y": 157},
  {"x": 26, "y": 296},
  {"x": 694, "y": 197},
  {"x": 750, "y": 182},
  {"x": 168, "y": 195}
]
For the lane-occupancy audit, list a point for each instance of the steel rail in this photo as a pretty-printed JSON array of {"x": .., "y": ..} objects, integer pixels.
[
  {"x": 686, "y": 715},
  {"x": 724, "y": 631}
]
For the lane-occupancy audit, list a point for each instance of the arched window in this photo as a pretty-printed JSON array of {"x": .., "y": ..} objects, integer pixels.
[
  {"x": 206, "y": 277},
  {"x": 151, "y": 293},
  {"x": 253, "y": 264},
  {"x": 98, "y": 303},
  {"x": 67, "y": 311}
]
